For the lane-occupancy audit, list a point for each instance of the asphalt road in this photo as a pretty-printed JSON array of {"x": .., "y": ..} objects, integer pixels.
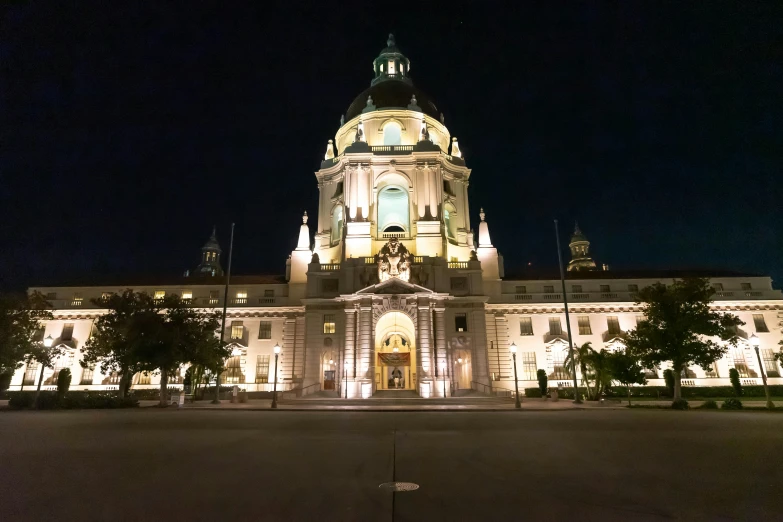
[{"x": 320, "y": 466}]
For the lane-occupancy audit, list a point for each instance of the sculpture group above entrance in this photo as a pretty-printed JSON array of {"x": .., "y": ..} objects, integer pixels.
[{"x": 394, "y": 260}]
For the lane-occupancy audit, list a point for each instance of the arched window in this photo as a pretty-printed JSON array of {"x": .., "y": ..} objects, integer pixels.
[
  {"x": 393, "y": 209},
  {"x": 337, "y": 224},
  {"x": 392, "y": 134},
  {"x": 451, "y": 223}
]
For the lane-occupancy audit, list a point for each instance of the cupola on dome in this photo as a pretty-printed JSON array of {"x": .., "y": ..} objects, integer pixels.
[{"x": 392, "y": 88}]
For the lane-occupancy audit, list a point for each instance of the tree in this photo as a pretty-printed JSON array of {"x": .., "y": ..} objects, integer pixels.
[
  {"x": 542, "y": 381},
  {"x": 581, "y": 355},
  {"x": 734, "y": 379},
  {"x": 21, "y": 328},
  {"x": 626, "y": 370},
  {"x": 116, "y": 335},
  {"x": 46, "y": 357},
  {"x": 63, "y": 381},
  {"x": 599, "y": 364},
  {"x": 678, "y": 327},
  {"x": 177, "y": 335}
]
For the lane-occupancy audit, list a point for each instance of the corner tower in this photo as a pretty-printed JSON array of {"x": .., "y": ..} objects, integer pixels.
[
  {"x": 210, "y": 258},
  {"x": 580, "y": 252}
]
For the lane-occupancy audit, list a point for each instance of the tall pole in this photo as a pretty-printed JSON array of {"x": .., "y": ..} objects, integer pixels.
[
  {"x": 216, "y": 400},
  {"x": 274, "y": 386},
  {"x": 517, "y": 405},
  {"x": 577, "y": 399},
  {"x": 770, "y": 404}
]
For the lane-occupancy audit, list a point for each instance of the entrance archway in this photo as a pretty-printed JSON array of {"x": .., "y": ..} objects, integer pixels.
[{"x": 395, "y": 352}]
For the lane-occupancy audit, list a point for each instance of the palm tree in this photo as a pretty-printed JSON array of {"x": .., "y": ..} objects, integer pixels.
[
  {"x": 600, "y": 364},
  {"x": 582, "y": 356}
]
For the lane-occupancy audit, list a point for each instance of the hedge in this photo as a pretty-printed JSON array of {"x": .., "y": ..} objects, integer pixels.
[
  {"x": 50, "y": 400},
  {"x": 688, "y": 392}
]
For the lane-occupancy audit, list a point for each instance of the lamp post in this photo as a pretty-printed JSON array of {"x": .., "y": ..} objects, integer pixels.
[
  {"x": 48, "y": 342},
  {"x": 513, "y": 350},
  {"x": 274, "y": 386},
  {"x": 443, "y": 374},
  {"x": 755, "y": 342},
  {"x": 345, "y": 378}
]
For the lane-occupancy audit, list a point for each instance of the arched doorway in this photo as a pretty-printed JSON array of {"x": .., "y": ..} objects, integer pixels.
[
  {"x": 395, "y": 352},
  {"x": 462, "y": 369},
  {"x": 328, "y": 370}
]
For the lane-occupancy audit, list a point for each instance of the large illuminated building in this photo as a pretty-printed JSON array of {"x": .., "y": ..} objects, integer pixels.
[{"x": 390, "y": 288}]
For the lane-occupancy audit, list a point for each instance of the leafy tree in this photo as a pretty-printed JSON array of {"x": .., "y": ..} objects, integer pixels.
[
  {"x": 542, "y": 381},
  {"x": 600, "y": 366},
  {"x": 734, "y": 378},
  {"x": 46, "y": 357},
  {"x": 116, "y": 335},
  {"x": 668, "y": 379},
  {"x": 626, "y": 370},
  {"x": 581, "y": 355},
  {"x": 20, "y": 328},
  {"x": 177, "y": 335},
  {"x": 63, "y": 381},
  {"x": 678, "y": 327}
]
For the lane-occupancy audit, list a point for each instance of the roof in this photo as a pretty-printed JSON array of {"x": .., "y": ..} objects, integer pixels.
[
  {"x": 553, "y": 274},
  {"x": 392, "y": 94},
  {"x": 158, "y": 280}
]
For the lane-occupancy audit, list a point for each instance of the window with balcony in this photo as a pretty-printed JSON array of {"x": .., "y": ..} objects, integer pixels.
[
  {"x": 237, "y": 330},
  {"x": 548, "y": 289},
  {"x": 520, "y": 289},
  {"x": 761, "y": 325},
  {"x": 269, "y": 293},
  {"x": 525, "y": 326},
  {"x": 461, "y": 322},
  {"x": 529, "y": 367},
  {"x": 329, "y": 324},
  {"x": 739, "y": 362},
  {"x": 187, "y": 295},
  {"x": 214, "y": 296},
  {"x": 613, "y": 325},
  {"x": 262, "y": 369},
  {"x": 770, "y": 363},
  {"x": 265, "y": 330},
  {"x": 241, "y": 297},
  {"x": 233, "y": 373},
  {"x": 159, "y": 295},
  {"x": 392, "y": 133},
  {"x": 558, "y": 363},
  {"x": 584, "y": 325},
  {"x": 78, "y": 300},
  {"x": 338, "y": 221},
  {"x": 67, "y": 333},
  {"x": 554, "y": 326}
]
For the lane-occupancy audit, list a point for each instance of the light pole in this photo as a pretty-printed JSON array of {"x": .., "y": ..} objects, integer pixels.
[
  {"x": 274, "y": 386},
  {"x": 755, "y": 342},
  {"x": 443, "y": 374},
  {"x": 48, "y": 342},
  {"x": 513, "y": 350},
  {"x": 345, "y": 378}
]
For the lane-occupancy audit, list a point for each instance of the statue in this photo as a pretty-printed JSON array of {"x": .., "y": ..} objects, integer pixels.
[{"x": 394, "y": 260}]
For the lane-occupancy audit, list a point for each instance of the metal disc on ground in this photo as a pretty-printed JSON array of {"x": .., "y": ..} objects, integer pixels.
[{"x": 399, "y": 486}]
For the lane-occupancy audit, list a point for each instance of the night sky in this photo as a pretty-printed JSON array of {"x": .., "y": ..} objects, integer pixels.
[{"x": 127, "y": 132}]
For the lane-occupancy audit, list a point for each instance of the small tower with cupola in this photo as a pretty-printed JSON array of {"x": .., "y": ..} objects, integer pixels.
[
  {"x": 580, "y": 252},
  {"x": 210, "y": 258}
]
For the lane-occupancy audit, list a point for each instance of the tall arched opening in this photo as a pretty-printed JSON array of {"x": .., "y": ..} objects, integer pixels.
[
  {"x": 395, "y": 352},
  {"x": 393, "y": 210}
]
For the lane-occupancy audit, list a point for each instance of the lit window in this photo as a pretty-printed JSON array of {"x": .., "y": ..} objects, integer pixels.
[
  {"x": 233, "y": 373},
  {"x": 529, "y": 368},
  {"x": 613, "y": 325},
  {"x": 265, "y": 330},
  {"x": 554, "y": 326},
  {"x": 525, "y": 326},
  {"x": 329, "y": 324},
  {"x": 461, "y": 322},
  {"x": 262, "y": 369},
  {"x": 187, "y": 294},
  {"x": 241, "y": 297},
  {"x": 77, "y": 300},
  {"x": 142, "y": 378},
  {"x": 237, "y": 330},
  {"x": 160, "y": 294},
  {"x": 577, "y": 289},
  {"x": 761, "y": 325},
  {"x": 584, "y": 325},
  {"x": 770, "y": 364},
  {"x": 558, "y": 363},
  {"x": 105, "y": 296},
  {"x": 549, "y": 289},
  {"x": 390, "y": 67},
  {"x": 739, "y": 362},
  {"x": 214, "y": 296}
]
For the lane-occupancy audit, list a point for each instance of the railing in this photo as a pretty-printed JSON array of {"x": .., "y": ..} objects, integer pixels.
[
  {"x": 688, "y": 382},
  {"x": 522, "y": 297},
  {"x": 552, "y": 297},
  {"x": 369, "y": 260},
  {"x": 418, "y": 259},
  {"x": 749, "y": 382},
  {"x": 580, "y": 296},
  {"x": 76, "y": 302},
  {"x": 330, "y": 267},
  {"x": 239, "y": 300},
  {"x": 491, "y": 390},
  {"x": 608, "y": 295},
  {"x": 300, "y": 392},
  {"x": 458, "y": 264},
  {"x": 392, "y": 148},
  {"x": 389, "y": 235},
  {"x": 266, "y": 300},
  {"x": 753, "y": 294},
  {"x": 724, "y": 294}
]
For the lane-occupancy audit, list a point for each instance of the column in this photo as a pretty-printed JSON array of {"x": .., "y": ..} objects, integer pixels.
[
  {"x": 365, "y": 366},
  {"x": 479, "y": 363},
  {"x": 425, "y": 341},
  {"x": 440, "y": 345},
  {"x": 350, "y": 346}
]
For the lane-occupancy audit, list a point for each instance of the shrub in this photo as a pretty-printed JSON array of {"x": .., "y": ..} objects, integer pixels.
[
  {"x": 70, "y": 401},
  {"x": 680, "y": 404},
  {"x": 735, "y": 382},
  {"x": 709, "y": 405},
  {"x": 731, "y": 404},
  {"x": 542, "y": 381},
  {"x": 533, "y": 393},
  {"x": 20, "y": 400},
  {"x": 5, "y": 380},
  {"x": 668, "y": 377},
  {"x": 63, "y": 381}
]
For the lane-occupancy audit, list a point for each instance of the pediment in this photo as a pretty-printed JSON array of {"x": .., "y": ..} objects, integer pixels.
[{"x": 394, "y": 285}]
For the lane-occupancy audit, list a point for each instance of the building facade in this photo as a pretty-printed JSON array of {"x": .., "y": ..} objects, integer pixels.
[{"x": 391, "y": 289}]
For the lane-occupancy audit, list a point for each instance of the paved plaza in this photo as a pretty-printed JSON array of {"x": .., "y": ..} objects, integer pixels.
[{"x": 594, "y": 464}]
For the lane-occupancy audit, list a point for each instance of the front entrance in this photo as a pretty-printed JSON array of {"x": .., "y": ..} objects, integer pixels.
[
  {"x": 395, "y": 355},
  {"x": 329, "y": 380}
]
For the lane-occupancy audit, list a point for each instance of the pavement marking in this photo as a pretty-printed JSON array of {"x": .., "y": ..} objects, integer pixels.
[{"x": 399, "y": 486}]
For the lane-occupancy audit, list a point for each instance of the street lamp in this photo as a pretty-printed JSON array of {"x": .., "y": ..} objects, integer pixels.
[
  {"x": 345, "y": 378},
  {"x": 48, "y": 342},
  {"x": 755, "y": 342},
  {"x": 513, "y": 350},
  {"x": 274, "y": 386},
  {"x": 443, "y": 374}
]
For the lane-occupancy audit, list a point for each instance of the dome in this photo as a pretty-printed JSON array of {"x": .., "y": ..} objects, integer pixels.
[
  {"x": 392, "y": 94},
  {"x": 391, "y": 88}
]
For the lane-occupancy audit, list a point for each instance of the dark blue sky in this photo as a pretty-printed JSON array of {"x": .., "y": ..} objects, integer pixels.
[{"x": 127, "y": 132}]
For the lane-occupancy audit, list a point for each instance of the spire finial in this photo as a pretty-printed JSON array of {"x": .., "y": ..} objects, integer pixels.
[
  {"x": 329, "y": 151},
  {"x": 304, "y": 217},
  {"x": 214, "y": 232},
  {"x": 576, "y": 228},
  {"x": 455, "y": 148},
  {"x": 390, "y": 42},
  {"x": 482, "y": 215}
]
